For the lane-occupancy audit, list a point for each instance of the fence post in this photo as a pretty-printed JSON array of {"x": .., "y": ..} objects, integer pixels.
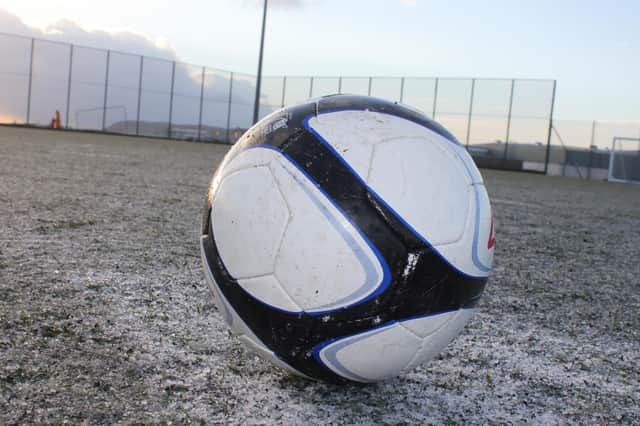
[
  {"x": 201, "y": 103},
  {"x": 139, "y": 95},
  {"x": 173, "y": 82},
  {"x": 553, "y": 101},
  {"x": 435, "y": 98},
  {"x": 591, "y": 145},
  {"x": 340, "y": 84},
  {"x": 66, "y": 116},
  {"x": 33, "y": 41},
  {"x": 611, "y": 155},
  {"x": 473, "y": 86},
  {"x": 106, "y": 92},
  {"x": 229, "y": 106},
  {"x": 369, "y": 90},
  {"x": 284, "y": 90},
  {"x": 311, "y": 87},
  {"x": 401, "y": 89},
  {"x": 506, "y": 140}
]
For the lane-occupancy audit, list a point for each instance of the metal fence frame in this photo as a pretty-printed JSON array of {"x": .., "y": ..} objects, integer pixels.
[{"x": 231, "y": 130}]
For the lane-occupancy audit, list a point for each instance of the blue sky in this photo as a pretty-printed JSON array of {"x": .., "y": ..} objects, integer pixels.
[{"x": 590, "y": 47}]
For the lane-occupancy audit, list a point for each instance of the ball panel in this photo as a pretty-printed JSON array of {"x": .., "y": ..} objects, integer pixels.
[
  {"x": 471, "y": 254},
  {"x": 323, "y": 262},
  {"x": 425, "y": 326},
  {"x": 432, "y": 197},
  {"x": 371, "y": 356},
  {"x": 435, "y": 342},
  {"x": 238, "y": 159},
  {"x": 249, "y": 217},
  {"x": 267, "y": 289},
  {"x": 350, "y": 133}
]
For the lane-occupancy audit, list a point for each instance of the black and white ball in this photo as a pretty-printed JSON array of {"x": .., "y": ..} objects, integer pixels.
[{"x": 347, "y": 238}]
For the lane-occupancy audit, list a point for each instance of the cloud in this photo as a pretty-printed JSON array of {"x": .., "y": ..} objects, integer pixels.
[
  {"x": 409, "y": 2},
  {"x": 12, "y": 24},
  {"x": 70, "y": 32}
]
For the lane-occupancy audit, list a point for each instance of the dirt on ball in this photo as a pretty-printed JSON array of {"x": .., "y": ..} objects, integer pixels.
[{"x": 106, "y": 317}]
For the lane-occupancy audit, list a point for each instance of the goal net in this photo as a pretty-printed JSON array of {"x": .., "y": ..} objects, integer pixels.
[{"x": 624, "y": 160}]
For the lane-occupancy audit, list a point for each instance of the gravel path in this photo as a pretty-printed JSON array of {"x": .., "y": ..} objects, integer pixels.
[{"x": 106, "y": 318}]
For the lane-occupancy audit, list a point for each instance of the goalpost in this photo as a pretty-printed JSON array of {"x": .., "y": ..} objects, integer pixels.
[{"x": 624, "y": 160}]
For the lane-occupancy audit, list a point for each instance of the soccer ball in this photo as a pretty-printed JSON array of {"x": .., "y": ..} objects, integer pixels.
[{"x": 347, "y": 238}]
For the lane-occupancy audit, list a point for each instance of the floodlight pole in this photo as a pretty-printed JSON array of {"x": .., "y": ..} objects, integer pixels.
[
  {"x": 548, "y": 151},
  {"x": 256, "y": 104}
]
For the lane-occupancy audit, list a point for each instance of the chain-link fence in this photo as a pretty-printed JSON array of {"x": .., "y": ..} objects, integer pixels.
[{"x": 504, "y": 122}]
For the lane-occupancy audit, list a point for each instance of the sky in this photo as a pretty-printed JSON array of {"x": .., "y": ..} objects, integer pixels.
[{"x": 590, "y": 47}]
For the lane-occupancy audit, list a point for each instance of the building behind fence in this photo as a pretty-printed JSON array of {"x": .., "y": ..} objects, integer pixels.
[{"x": 503, "y": 122}]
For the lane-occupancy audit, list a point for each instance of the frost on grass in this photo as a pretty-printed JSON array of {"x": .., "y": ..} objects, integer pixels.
[{"x": 106, "y": 318}]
